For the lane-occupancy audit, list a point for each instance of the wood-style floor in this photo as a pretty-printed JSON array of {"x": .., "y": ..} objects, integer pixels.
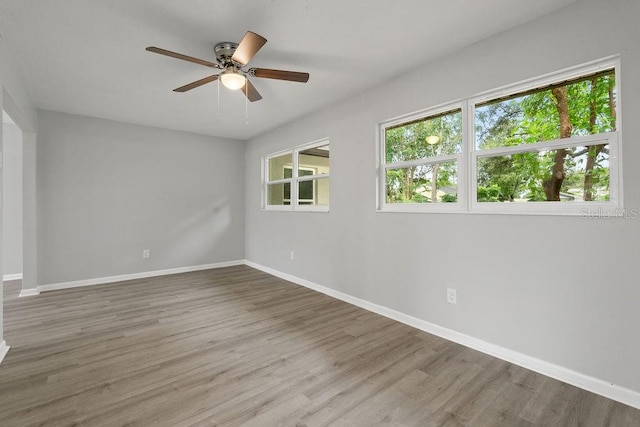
[{"x": 236, "y": 346}]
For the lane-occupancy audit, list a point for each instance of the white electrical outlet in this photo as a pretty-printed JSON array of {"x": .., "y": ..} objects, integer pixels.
[
  {"x": 145, "y": 253},
  {"x": 293, "y": 255},
  {"x": 451, "y": 296}
]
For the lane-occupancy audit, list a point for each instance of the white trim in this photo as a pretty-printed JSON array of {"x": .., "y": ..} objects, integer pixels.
[
  {"x": 293, "y": 193},
  {"x": 615, "y": 153},
  {"x": 279, "y": 181},
  {"x": 142, "y": 275},
  {"x": 311, "y": 178},
  {"x": 464, "y": 176},
  {"x": 4, "y": 349},
  {"x": 311, "y": 208},
  {"x": 574, "y": 141},
  {"x": 299, "y": 208},
  {"x": 447, "y": 158},
  {"x": 29, "y": 292},
  {"x": 8, "y": 277},
  {"x": 440, "y": 207},
  {"x": 314, "y": 175},
  {"x": 586, "y": 382}
]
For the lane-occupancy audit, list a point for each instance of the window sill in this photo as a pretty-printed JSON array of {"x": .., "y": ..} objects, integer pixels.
[
  {"x": 422, "y": 208},
  {"x": 598, "y": 211},
  {"x": 322, "y": 209}
]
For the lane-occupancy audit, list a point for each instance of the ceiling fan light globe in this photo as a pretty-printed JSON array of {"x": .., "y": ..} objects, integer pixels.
[{"x": 233, "y": 80}]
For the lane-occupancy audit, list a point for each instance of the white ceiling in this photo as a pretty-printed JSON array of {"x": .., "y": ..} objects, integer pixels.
[{"x": 89, "y": 58}]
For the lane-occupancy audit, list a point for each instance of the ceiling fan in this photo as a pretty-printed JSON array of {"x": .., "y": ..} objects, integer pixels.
[{"x": 231, "y": 58}]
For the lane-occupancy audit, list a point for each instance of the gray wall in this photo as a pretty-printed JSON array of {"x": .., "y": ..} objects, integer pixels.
[
  {"x": 15, "y": 100},
  {"x": 12, "y": 199},
  {"x": 558, "y": 288},
  {"x": 29, "y": 212},
  {"x": 108, "y": 190}
]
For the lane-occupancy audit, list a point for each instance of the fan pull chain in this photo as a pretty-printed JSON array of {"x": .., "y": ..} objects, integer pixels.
[
  {"x": 218, "y": 84},
  {"x": 246, "y": 105}
]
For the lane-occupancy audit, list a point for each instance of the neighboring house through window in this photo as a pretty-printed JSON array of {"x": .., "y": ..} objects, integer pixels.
[{"x": 298, "y": 179}]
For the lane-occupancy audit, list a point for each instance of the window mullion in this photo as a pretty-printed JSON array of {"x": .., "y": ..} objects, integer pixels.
[
  {"x": 465, "y": 182},
  {"x": 265, "y": 188},
  {"x": 279, "y": 181},
  {"x": 312, "y": 177},
  {"x": 294, "y": 179},
  {"x": 421, "y": 162},
  {"x": 574, "y": 141},
  {"x": 615, "y": 178}
]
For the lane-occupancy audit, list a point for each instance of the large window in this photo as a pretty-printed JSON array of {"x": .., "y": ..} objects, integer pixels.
[
  {"x": 298, "y": 179},
  {"x": 545, "y": 146}
]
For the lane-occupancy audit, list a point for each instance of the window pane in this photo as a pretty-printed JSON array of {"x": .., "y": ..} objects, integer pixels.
[
  {"x": 287, "y": 186},
  {"x": 581, "y": 174},
  {"x": 277, "y": 165},
  {"x": 584, "y": 107},
  {"x": 414, "y": 185},
  {"x": 306, "y": 191},
  {"x": 314, "y": 161},
  {"x": 428, "y": 137},
  {"x": 278, "y": 194},
  {"x": 314, "y": 192}
]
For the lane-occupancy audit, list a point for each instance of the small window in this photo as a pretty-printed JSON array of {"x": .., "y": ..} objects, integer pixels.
[
  {"x": 421, "y": 160},
  {"x": 298, "y": 179}
]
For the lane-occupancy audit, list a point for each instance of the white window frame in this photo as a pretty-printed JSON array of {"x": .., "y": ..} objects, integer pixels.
[
  {"x": 467, "y": 161},
  {"x": 295, "y": 179},
  {"x": 301, "y": 180},
  {"x": 557, "y": 208},
  {"x": 459, "y": 205}
]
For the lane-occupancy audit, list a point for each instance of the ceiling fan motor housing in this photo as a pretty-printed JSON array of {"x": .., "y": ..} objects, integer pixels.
[{"x": 224, "y": 51}]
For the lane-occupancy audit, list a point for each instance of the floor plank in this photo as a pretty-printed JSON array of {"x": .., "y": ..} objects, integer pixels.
[{"x": 235, "y": 346}]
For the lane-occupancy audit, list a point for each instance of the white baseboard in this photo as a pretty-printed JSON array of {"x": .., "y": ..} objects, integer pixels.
[
  {"x": 4, "y": 348},
  {"x": 142, "y": 275},
  {"x": 8, "y": 277},
  {"x": 586, "y": 382},
  {"x": 29, "y": 292}
]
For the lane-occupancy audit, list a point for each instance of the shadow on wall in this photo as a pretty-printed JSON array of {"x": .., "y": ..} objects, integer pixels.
[{"x": 198, "y": 235}]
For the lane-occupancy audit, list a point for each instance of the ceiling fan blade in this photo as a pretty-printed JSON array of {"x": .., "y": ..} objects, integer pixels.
[
  {"x": 183, "y": 57},
  {"x": 292, "y": 76},
  {"x": 251, "y": 92},
  {"x": 197, "y": 83},
  {"x": 248, "y": 47}
]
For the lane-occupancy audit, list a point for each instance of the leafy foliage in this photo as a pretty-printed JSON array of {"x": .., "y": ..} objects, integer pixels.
[
  {"x": 425, "y": 183},
  {"x": 535, "y": 117}
]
